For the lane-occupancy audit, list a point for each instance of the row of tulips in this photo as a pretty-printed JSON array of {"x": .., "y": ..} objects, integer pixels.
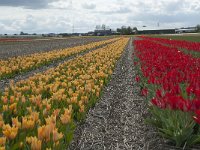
[
  {"x": 39, "y": 112},
  {"x": 188, "y": 45},
  {"x": 170, "y": 81},
  {"x": 14, "y": 40},
  {"x": 16, "y": 65}
]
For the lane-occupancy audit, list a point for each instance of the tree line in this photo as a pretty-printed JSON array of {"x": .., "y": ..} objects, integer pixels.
[
  {"x": 198, "y": 28},
  {"x": 127, "y": 30}
]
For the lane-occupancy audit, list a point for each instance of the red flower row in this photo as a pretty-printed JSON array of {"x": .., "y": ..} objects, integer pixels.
[
  {"x": 176, "y": 74},
  {"x": 194, "y": 46}
]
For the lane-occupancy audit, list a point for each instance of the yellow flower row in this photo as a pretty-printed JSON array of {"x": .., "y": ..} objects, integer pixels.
[
  {"x": 15, "y": 65},
  {"x": 38, "y": 113}
]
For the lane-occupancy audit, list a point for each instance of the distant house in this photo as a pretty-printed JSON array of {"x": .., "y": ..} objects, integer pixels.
[
  {"x": 22, "y": 33},
  {"x": 63, "y": 35},
  {"x": 91, "y": 33},
  {"x": 102, "y": 32},
  {"x": 115, "y": 33},
  {"x": 51, "y": 34}
]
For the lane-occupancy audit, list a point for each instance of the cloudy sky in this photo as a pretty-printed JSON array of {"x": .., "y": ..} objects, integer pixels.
[{"x": 45, "y": 16}]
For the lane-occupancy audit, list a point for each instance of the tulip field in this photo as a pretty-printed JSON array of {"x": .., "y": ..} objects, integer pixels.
[
  {"x": 168, "y": 73},
  {"x": 42, "y": 111},
  {"x": 182, "y": 37},
  {"x": 15, "y": 47},
  {"x": 14, "y": 40},
  {"x": 16, "y": 65},
  {"x": 39, "y": 112}
]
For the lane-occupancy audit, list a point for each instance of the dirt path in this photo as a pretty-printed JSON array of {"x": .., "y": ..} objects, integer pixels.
[{"x": 117, "y": 120}]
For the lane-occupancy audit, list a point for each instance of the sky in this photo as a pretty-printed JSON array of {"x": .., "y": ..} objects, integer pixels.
[{"x": 60, "y": 16}]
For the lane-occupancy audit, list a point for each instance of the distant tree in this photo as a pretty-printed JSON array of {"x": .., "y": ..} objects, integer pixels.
[
  {"x": 107, "y": 28},
  {"x": 123, "y": 30},
  {"x": 98, "y": 27},
  {"x": 21, "y": 33},
  {"x": 119, "y": 30},
  {"x": 103, "y": 27},
  {"x": 129, "y": 30},
  {"x": 135, "y": 30},
  {"x": 198, "y": 28}
]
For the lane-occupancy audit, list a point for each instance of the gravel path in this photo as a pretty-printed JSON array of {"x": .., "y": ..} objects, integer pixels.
[
  {"x": 19, "y": 49},
  {"x": 117, "y": 120}
]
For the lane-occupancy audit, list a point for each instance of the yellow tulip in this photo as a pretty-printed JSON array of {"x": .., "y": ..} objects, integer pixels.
[
  {"x": 56, "y": 112},
  {"x": 35, "y": 116},
  {"x": 10, "y": 132},
  {"x": 36, "y": 144},
  {"x": 2, "y": 148},
  {"x": 82, "y": 108},
  {"x": 41, "y": 132},
  {"x": 13, "y": 106},
  {"x": 23, "y": 99},
  {"x": 1, "y": 121},
  {"x": 57, "y": 136},
  {"x": 16, "y": 123},
  {"x": 5, "y": 107},
  {"x": 74, "y": 99},
  {"x": 12, "y": 99},
  {"x": 66, "y": 117},
  {"x": 28, "y": 122},
  {"x": 2, "y": 141},
  {"x": 5, "y": 99}
]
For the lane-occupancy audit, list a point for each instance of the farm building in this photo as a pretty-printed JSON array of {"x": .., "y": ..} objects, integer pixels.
[
  {"x": 186, "y": 30},
  {"x": 157, "y": 31},
  {"x": 167, "y": 31}
]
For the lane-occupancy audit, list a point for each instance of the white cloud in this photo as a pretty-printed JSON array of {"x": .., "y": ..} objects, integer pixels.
[
  {"x": 36, "y": 4},
  {"x": 89, "y": 6},
  {"x": 59, "y": 16}
]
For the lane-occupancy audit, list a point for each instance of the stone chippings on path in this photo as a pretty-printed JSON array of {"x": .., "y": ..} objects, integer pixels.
[{"x": 117, "y": 120}]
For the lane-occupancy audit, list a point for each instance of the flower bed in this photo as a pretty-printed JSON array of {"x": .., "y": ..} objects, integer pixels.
[
  {"x": 15, "y": 40},
  {"x": 39, "y": 113},
  {"x": 16, "y": 65},
  {"x": 191, "y": 46},
  {"x": 170, "y": 81}
]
